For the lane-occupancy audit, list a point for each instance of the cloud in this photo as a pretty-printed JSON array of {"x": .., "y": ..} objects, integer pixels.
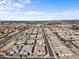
[
  {"x": 12, "y": 10},
  {"x": 4, "y": 12},
  {"x": 25, "y": 1},
  {"x": 73, "y": 14},
  {"x": 38, "y": 15},
  {"x": 35, "y": 13},
  {"x": 12, "y": 4}
]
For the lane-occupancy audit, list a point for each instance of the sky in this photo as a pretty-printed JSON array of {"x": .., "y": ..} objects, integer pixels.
[{"x": 38, "y": 10}]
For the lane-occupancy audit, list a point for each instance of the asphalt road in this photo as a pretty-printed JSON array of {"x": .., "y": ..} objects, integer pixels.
[
  {"x": 51, "y": 55},
  {"x": 74, "y": 45},
  {"x": 23, "y": 58},
  {"x": 8, "y": 38}
]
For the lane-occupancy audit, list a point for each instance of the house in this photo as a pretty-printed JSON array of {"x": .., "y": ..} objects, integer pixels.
[
  {"x": 39, "y": 50},
  {"x": 26, "y": 50}
]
